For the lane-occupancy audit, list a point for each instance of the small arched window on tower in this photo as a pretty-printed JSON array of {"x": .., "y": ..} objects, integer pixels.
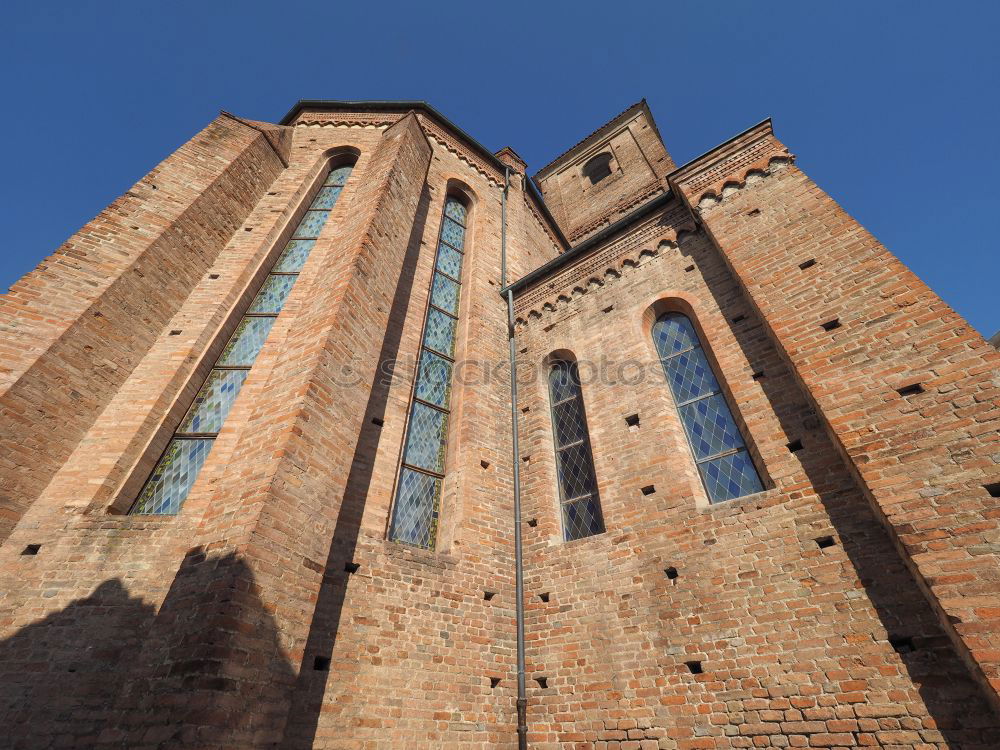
[
  {"x": 598, "y": 168},
  {"x": 581, "y": 506},
  {"x": 718, "y": 446},
  {"x": 421, "y": 475}
]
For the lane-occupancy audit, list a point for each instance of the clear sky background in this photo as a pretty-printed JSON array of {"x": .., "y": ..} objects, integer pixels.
[{"x": 892, "y": 107}]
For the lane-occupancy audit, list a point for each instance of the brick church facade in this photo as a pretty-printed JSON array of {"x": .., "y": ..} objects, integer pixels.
[{"x": 262, "y": 456}]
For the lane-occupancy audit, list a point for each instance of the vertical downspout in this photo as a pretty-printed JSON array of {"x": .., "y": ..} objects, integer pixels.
[{"x": 522, "y": 699}]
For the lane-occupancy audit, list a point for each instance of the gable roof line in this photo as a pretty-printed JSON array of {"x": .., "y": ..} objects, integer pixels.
[{"x": 606, "y": 126}]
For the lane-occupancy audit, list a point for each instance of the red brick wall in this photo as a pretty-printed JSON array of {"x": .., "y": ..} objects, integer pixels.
[
  {"x": 793, "y": 638},
  {"x": 201, "y": 623},
  {"x": 74, "y": 328},
  {"x": 203, "y": 629},
  {"x": 922, "y": 459}
]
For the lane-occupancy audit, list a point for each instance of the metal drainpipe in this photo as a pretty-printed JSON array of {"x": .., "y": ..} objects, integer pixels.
[{"x": 522, "y": 699}]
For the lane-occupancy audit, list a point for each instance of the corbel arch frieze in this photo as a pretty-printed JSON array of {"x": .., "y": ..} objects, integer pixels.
[{"x": 605, "y": 265}]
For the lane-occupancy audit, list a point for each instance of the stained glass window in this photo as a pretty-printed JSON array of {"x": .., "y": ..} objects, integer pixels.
[
  {"x": 178, "y": 467},
  {"x": 418, "y": 489},
  {"x": 716, "y": 441},
  {"x": 581, "y": 506}
]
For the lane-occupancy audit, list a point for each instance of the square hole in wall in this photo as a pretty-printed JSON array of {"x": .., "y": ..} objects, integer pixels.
[
  {"x": 910, "y": 390},
  {"x": 488, "y": 595},
  {"x": 632, "y": 420},
  {"x": 532, "y": 522},
  {"x": 213, "y": 276},
  {"x": 649, "y": 489},
  {"x": 31, "y": 549},
  {"x": 824, "y": 541},
  {"x": 352, "y": 567},
  {"x": 758, "y": 375},
  {"x": 543, "y": 682},
  {"x": 993, "y": 489},
  {"x": 484, "y": 463},
  {"x": 544, "y": 596},
  {"x": 794, "y": 446},
  {"x": 694, "y": 667},
  {"x": 494, "y": 682},
  {"x": 807, "y": 264},
  {"x": 378, "y": 422},
  {"x": 671, "y": 573},
  {"x": 902, "y": 644},
  {"x": 830, "y": 325},
  {"x": 321, "y": 663}
]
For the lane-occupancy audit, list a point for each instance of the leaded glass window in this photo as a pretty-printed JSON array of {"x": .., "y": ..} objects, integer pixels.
[
  {"x": 581, "y": 506},
  {"x": 716, "y": 441},
  {"x": 418, "y": 488},
  {"x": 178, "y": 467}
]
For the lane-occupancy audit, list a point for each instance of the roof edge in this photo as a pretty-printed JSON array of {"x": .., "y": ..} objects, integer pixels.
[
  {"x": 617, "y": 119},
  {"x": 388, "y": 105},
  {"x": 406, "y": 105}
]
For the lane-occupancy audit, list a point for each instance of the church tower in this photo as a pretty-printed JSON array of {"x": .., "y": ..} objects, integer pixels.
[
  {"x": 614, "y": 169},
  {"x": 266, "y": 480}
]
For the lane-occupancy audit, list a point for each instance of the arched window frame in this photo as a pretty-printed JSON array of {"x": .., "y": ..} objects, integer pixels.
[
  {"x": 580, "y": 509},
  {"x": 165, "y": 488},
  {"x": 415, "y": 518},
  {"x": 598, "y": 167},
  {"x": 717, "y": 443}
]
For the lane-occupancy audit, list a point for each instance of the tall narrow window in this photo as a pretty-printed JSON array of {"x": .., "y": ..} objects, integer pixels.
[
  {"x": 581, "y": 506},
  {"x": 719, "y": 449},
  {"x": 418, "y": 489},
  {"x": 178, "y": 467}
]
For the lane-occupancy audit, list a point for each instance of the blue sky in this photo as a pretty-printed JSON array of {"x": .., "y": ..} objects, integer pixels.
[{"x": 891, "y": 107}]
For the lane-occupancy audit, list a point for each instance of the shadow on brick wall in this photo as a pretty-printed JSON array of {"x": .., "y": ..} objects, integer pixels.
[
  {"x": 307, "y": 701},
  {"x": 109, "y": 670},
  {"x": 211, "y": 671},
  {"x": 60, "y": 675},
  {"x": 952, "y": 698}
]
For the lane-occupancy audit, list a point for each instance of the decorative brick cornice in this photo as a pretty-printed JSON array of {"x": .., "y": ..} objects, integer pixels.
[
  {"x": 729, "y": 164},
  {"x": 383, "y": 119},
  {"x": 643, "y": 241},
  {"x": 443, "y": 137}
]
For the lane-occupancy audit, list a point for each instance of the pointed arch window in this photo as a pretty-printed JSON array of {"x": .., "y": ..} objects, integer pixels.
[
  {"x": 417, "y": 505},
  {"x": 579, "y": 500},
  {"x": 175, "y": 472},
  {"x": 719, "y": 449}
]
